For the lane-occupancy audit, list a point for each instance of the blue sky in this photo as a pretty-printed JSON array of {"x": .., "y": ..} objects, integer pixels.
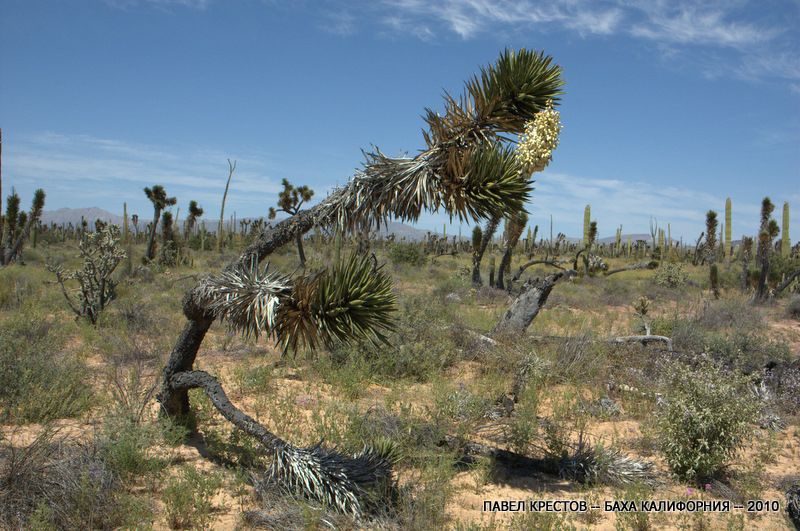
[{"x": 670, "y": 106}]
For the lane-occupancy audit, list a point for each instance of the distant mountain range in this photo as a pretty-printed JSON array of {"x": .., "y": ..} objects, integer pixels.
[
  {"x": 400, "y": 230},
  {"x": 74, "y": 216}
]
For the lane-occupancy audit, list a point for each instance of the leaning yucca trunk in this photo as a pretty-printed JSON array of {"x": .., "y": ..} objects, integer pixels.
[{"x": 465, "y": 170}]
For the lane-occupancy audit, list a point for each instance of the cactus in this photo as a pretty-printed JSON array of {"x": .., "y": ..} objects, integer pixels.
[
  {"x": 786, "y": 243},
  {"x": 591, "y": 235},
  {"x": 491, "y": 270},
  {"x": 101, "y": 254},
  {"x": 669, "y": 241},
  {"x": 125, "y": 223},
  {"x": 728, "y": 230},
  {"x": 587, "y": 214}
]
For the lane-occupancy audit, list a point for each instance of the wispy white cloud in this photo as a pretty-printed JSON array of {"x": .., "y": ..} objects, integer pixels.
[
  {"x": 467, "y": 18},
  {"x": 697, "y": 23},
  {"x": 755, "y": 47}
]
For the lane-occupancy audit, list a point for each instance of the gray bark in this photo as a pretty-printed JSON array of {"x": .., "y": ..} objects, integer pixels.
[{"x": 527, "y": 305}]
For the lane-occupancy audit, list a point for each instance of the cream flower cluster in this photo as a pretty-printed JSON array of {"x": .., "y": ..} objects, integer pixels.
[{"x": 540, "y": 139}]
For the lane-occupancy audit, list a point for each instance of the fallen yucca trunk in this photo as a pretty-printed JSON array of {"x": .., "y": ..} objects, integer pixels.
[{"x": 586, "y": 464}]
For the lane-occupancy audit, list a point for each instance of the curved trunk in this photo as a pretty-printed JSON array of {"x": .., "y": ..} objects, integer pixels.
[
  {"x": 505, "y": 265},
  {"x": 488, "y": 234},
  {"x": 175, "y": 402}
]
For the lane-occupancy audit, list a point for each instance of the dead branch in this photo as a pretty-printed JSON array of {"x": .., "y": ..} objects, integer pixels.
[
  {"x": 633, "y": 267},
  {"x": 785, "y": 284},
  {"x": 523, "y": 267},
  {"x": 643, "y": 339}
]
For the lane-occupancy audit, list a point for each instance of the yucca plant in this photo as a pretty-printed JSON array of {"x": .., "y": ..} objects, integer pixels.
[
  {"x": 17, "y": 225},
  {"x": 469, "y": 169},
  {"x": 158, "y": 196}
]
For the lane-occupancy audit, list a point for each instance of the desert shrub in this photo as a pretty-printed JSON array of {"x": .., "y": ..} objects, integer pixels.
[
  {"x": 671, "y": 275},
  {"x": 406, "y": 253},
  {"x": 705, "y": 418},
  {"x": 793, "y": 308},
  {"x": 524, "y": 426},
  {"x": 37, "y": 381},
  {"x": 127, "y": 447},
  {"x": 16, "y": 287},
  {"x": 421, "y": 345},
  {"x": 730, "y": 313},
  {"x": 187, "y": 498},
  {"x": 50, "y": 484},
  {"x": 745, "y": 348},
  {"x": 746, "y": 351}
]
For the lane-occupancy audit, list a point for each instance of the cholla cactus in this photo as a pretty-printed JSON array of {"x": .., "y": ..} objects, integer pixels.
[
  {"x": 596, "y": 264},
  {"x": 101, "y": 253},
  {"x": 540, "y": 139}
]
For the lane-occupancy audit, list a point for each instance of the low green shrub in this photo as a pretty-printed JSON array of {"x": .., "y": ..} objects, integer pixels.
[
  {"x": 187, "y": 498},
  {"x": 793, "y": 308},
  {"x": 38, "y": 382},
  {"x": 406, "y": 253},
  {"x": 705, "y": 418}
]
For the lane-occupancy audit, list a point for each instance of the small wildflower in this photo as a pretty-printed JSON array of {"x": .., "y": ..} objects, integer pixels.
[{"x": 690, "y": 491}]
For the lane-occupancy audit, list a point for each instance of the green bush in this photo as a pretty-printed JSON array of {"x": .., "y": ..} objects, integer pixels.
[
  {"x": 38, "y": 382},
  {"x": 421, "y": 345},
  {"x": 187, "y": 498},
  {"x": 705, "y": 418},
  {"x": 406, "y": 253},
  {"x": 793, "y": 308}
]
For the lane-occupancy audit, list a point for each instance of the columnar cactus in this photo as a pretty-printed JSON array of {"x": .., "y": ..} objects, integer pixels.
[
  {"x": 728, "y": 230},
  {"x": 125, "y": 230},
  {"x": 786, "y": 244},
  {"x": 587, "y": 215}
]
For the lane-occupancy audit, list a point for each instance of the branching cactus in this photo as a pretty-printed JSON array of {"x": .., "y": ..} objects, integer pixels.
[
  {"x": 101, "y": 253},
  {"x": 468, "y": 169}
]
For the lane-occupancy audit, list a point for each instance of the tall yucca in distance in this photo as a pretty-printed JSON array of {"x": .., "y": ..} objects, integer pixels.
[
  {"x": 728, "y": 230},
  {"x": 786, "y": 243},
  {"x": 469, "y": 168}
]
